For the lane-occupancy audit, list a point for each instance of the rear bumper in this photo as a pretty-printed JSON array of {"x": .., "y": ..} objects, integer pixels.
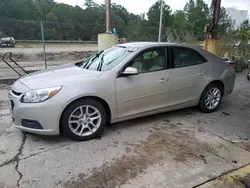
[
  {"x": 7, "y": 44},
  {"x": 229, "y": 83}
]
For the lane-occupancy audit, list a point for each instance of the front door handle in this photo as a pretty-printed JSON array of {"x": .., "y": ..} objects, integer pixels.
[{"x": 162, "y": 80}]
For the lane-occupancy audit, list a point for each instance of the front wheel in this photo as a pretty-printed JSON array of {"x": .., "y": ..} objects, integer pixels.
[
  {"x": 84, "y": 119},
  {"x": 248, "y": 75},
  {"x": 211, "y": 98}
]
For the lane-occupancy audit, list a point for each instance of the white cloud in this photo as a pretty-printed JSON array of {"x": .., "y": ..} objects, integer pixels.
[{"x": 140, "y": 6}]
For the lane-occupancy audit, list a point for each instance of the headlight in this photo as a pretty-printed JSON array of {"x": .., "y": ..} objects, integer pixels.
[{"x": 40, "y": 95}]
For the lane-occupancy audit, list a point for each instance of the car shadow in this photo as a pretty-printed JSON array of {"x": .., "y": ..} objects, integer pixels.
[
  {"x": 166, "y": 116},
  {"x": 122, "y": 126},
  {"x": 53, "y": 139}
]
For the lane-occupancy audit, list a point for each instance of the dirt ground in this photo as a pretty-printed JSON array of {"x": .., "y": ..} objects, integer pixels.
[
  {"x": 32, "y": 57},
  {"x": 50, "y": 48},
  {"x": 54, "y": 53},
  {"x": 184, "y": 148}
]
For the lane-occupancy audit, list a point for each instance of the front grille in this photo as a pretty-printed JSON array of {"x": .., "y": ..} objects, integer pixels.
[{"x": 16, "y": 93}]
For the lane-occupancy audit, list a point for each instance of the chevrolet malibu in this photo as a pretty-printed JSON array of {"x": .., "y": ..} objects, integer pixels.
[{"x": 122, "y": 82}]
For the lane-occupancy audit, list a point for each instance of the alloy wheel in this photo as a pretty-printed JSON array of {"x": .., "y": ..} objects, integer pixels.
[
  {"x": 84, "y": 120},
  {"x": 212, "y": 98}
]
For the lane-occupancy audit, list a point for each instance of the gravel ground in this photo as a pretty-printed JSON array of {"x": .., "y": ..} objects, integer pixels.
[{"x": 183, "y": 148}]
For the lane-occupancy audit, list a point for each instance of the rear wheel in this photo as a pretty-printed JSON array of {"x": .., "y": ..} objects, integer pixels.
[
  {"x": 211, "y": 98},
  {"x": 84, "y": 119}
]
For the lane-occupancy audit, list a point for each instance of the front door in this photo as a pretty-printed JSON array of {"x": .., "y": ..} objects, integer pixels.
[{"x": 148, "y": 90}]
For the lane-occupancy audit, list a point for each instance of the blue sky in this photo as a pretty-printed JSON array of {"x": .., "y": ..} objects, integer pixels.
[{"x": 140, "y": 6}]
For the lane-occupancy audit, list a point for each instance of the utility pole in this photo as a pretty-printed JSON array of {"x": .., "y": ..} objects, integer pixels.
[
  {"x": 160, "y": 24},
  {"x": 211, "y": 42},
  {"x": 107, "y": 4}
]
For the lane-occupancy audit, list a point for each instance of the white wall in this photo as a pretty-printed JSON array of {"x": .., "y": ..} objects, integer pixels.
[{"x": 237, "y": 16}]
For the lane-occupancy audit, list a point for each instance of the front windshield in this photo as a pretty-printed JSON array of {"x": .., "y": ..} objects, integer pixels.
[{"x": 106, "y": 59}]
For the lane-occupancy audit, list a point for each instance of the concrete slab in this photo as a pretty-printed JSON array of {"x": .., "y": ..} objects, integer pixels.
[
  {"x": 176, "y": 149},
  {"x": 4, "y": 95},
  {"x": 9, "y": 176},
  {"x": 198, "y": 156}
]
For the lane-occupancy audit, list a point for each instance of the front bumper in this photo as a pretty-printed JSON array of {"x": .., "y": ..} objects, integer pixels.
[{"x": 47, "y": 114}]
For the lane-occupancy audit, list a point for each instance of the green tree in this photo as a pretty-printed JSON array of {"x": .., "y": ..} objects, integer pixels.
[
  {"x": 243, "y": 37},
  {"x": 90, "y": 4},
  {"x": 197, "y": 14},
  {"x": 18, "y": 9},
  {"x": 154, "y": 14},
  {"x": 51, "y": 16},
  {"x": 180, "y": 21},
  {"x": 154, "y": 19},
  {"x": 120, "y": 11},
  {"x": 137, "y": 32},
  {"x": 85, "y": 23},
  {"x": 243, "y": 32},
  {"x": 224, "y": 23}
]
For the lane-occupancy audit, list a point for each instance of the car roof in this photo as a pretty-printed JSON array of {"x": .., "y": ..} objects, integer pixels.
[
  {"x": 152, "y": 44},
  {"x": 7, "y": 38},
  {"x": 145, "y": 45}
]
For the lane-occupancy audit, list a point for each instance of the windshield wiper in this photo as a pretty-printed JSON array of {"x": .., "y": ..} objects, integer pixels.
[
  {"x": 99, "y": 68},
  {"x": 87, "y": 65}
]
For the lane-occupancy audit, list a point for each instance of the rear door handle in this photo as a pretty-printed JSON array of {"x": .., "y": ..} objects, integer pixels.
[
  {"x": 164, "y": 80},
  {"x": 201, "y": 73}
]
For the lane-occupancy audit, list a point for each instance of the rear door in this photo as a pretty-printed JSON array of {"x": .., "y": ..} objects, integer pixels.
[{"x": 188, "y": 74}]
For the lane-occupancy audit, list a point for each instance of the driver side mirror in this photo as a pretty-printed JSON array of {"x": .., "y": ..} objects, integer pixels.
[{"x": 130, "y": 71}]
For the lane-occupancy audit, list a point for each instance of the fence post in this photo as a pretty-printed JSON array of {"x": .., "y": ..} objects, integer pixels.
[{"x": 43, "y": 41}]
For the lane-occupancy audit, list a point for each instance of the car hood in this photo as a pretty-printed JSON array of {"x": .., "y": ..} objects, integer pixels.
[{"x": 58, "y": 76}]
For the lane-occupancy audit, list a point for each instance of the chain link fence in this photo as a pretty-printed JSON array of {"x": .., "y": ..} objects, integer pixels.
[
  {"x": 181, "y": 36},
  {"x": 230, "y": 44},
  {"x": 41, "y": 43}
]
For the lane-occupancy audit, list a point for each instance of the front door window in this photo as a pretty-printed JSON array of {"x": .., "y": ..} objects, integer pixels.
[{"x": 149, "y": 61}]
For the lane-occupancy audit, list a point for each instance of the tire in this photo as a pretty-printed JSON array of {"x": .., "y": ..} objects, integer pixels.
[
  {"x": 72, "y": 114},
  {"x": 248, "y": 75},
  {"x": 204, "y": 97}
]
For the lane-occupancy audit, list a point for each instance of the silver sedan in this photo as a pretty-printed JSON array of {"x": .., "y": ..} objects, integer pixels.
[{"x": 123, "y": 82}]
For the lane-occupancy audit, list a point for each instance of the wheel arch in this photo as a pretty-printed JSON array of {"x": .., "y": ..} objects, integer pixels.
[
  {"x": 219, "y": 82},
  {"x": 201, "y": 104},
  {"x": 213, "y": 82},
  {"x": 99, "y": 99}
]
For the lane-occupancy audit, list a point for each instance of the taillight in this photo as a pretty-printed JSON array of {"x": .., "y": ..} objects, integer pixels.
[{"x": 233, "y": 65}]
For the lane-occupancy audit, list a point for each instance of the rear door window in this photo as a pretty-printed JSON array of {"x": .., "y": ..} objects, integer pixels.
[{"x": 183, "y": 57}]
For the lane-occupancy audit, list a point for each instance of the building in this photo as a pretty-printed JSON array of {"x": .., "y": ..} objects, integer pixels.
[{"x": 237, "y": 16}]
